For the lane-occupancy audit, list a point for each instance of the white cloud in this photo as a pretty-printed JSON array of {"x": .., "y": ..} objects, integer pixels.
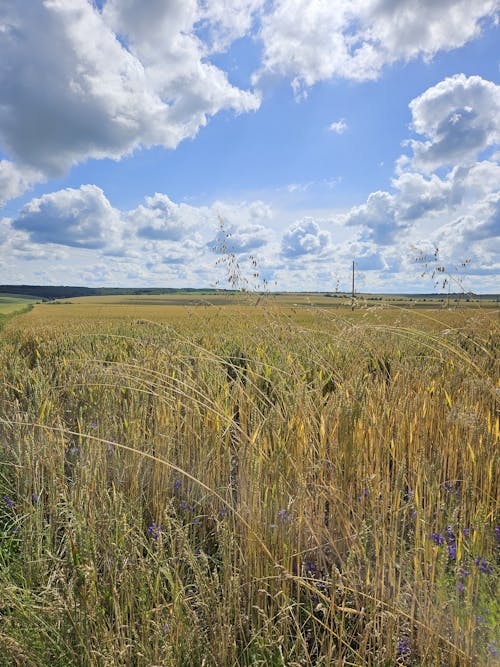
[
  {"x": 378, "y": 216},
  {"x": 241, "y": 214},
  {"x": 472, "y": 183},
  {"x": 299, "y": 187},
  {"x": 460, "y": 116},
  {"x": 388, "y": 218},
  {"x": 417, "y": 195},
  {"x": 304, "y": 238},
  {"x": 80, "y": 218},
  {"x": 370, "y": 261},
  {"x": 164, "y": 242},
  {"x": 474, "y": 237},
  {"x": 338, "y": 126},
  {"x": 240, "y": 239},
  {"x": 160, "y": 240},
  {"x": 310, "y": 41},
  {"x": 459, "y": 214},
  {"x": 77, "y": 84},
  {"x": 14, "y": 181},
  {"x": 162, "y": 219},
  {"x": 227, "y": 20},
  {"x": 259, "y": 210}
]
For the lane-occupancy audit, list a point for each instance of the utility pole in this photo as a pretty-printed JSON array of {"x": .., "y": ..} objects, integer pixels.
[{"x": 352, "y": 295}]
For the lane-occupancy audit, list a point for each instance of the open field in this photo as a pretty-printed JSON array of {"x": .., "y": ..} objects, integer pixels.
[
  {"x": 10, "y": 304},
  {"x": 235, "y": 481}
]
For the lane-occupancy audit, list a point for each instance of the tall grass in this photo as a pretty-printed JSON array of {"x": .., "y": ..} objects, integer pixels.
[{"x": 248, "y": 487}]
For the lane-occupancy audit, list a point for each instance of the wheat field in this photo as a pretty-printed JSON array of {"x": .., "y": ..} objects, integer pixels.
[{"x": 251, "y": 483}]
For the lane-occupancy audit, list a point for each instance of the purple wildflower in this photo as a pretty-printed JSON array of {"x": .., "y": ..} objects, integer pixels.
[
  {"x": 177, "y": 486},
  {"x": 452, "y": 550},
  {"x": 284, "y": 516},
  {"x": 403, "y": 647},
  {"x": 438, "y": 539},
  {"x": 492, "y": 648},
  {"x": 483, "y": 565},
  {"x": 466, "y": 532},
  {"x": 35, "y": 498},
  {"x": 460, "y": 587},
  {"x": 154, "y": 531},
  {"x": 497, "y": 531},
  {"x": 93, "y": 424},
  {"x": 310, "y": 567},
  {"x": 10, "y": 503},
  {"x": 463, "y": 572},
  {"x": 222, "y": 512},
  {"x": 364, "y": 493}
]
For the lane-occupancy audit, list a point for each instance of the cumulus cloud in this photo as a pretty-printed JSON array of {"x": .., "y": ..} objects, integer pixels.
[
  {"x": 80, "y": 218},
  {"x": 241, "y": 239},
  {"x": 354, "y": 40},
  {"x": 378, "y": 216},
  {"x": 471, "y": 183},
  {"x": 417, "y": 195},
  {"x": 474, "y": 235},
  {"x": 304, "y": 238},
  {"x": 456, "y": 208},
  {"x": 162, "y": 219},
  {"x": 259, "y": 210},
  {"x": 14, "y": 181},
  {"x": 460, "y": 117},
  {"x": 76, "y": 83},
  {"x": 158, "y": 240},
  {"x": 239, "y": 225},
  {"x": 388, "y": 217}
]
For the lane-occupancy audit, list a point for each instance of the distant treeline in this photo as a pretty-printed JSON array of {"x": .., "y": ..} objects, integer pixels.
[
  {"x": 49, "y": 292},
  {"x": 67, "y": 292}
]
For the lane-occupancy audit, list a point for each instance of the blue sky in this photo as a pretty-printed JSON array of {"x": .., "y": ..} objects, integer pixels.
[{"x": 320, "y": 133}]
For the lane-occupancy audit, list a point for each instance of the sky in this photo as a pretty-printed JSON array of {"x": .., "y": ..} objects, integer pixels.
[{"x": 165, "y": 142}]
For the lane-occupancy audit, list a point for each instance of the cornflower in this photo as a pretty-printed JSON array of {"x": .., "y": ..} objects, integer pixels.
[
  {"x": 284, "y": 516},
  {"x": 154, "y": 531},
  {"x": 403, "y": 647},
  {"x": 483, "y": 565}
]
